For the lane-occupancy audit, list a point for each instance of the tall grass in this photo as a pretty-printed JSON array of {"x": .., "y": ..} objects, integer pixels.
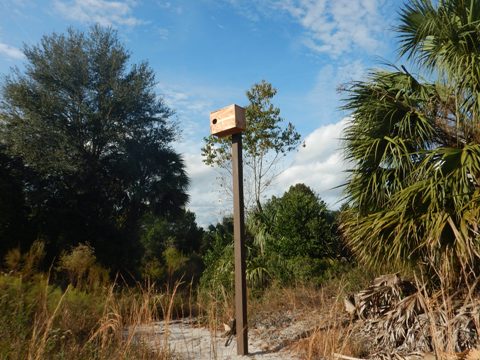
[
  {"x": 39, "y": 320},
  {"x": 87, "y": 317},
  {"x": 102, "y": 320},
  {"x": 83, "y": 315}
]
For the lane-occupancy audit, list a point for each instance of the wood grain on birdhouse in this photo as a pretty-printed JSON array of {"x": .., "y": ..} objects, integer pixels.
[{"x": 227, "y": 121}]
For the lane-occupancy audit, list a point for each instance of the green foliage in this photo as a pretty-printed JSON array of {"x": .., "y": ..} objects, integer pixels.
[
  {"x": 13, "y": 260},
  {"x": 81, "y": 266},
  {"x": 217, "y": 234},
  {"x": 443, "y": 38},
  {"x": 188, "y": 236},
  {"x": 170, "y": 247},
  {"x": 305, "y": 269},
  {"x": 174, "y": 261},
  {"x": 14, "y": 227},
  {"x": 415, "y": 189},
  {"x": 294, "y": 240},
  {"x": 265, "y": 141},
  {"x": 300, "y": 224},
  {"x": 153, "y": 269},
  {"x": 156, "y": 235},
  {"x": 77, "y": 262},
  {"x": 27, "y": 264},
  {"x": 26, "y": 304},
  {"x": 96, "y": 141},
  {"x": 218, "y": 276}
]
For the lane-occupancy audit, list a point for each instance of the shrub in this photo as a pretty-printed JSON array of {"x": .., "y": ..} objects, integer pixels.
[
  {"x": 299, "y": 224},
  {"x": 81, "y": 266},
  {"x": 27, "y": 264}
]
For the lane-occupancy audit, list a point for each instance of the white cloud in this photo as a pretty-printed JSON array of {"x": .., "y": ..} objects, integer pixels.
[
  {"x": 337, "y": 27},
  {"x": 190, "y": 106},
  {"x": 164, "y": 4},
  {"x": 11, "y": 51},
  {"x": 319, "y": 164},
  {"x": 103, "y": 12},
  {"x": 334, "y": 27},
  {"x": 207, "y": 201}
]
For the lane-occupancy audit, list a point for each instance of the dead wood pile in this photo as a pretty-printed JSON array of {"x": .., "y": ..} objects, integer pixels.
[{"x": 399, "y": 317}]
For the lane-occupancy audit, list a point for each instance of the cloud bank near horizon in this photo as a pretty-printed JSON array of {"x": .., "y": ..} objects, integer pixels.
[{"x": 320, "y": 165}]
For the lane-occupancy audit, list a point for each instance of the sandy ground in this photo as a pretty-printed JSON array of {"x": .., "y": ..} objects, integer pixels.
[{"x": 189, "y": 341}]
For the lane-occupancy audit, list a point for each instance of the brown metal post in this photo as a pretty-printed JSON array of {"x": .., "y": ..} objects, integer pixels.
[{"x": 239, "y": 238}]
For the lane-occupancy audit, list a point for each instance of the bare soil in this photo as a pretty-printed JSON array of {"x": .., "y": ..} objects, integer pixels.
[{"x": 186, "y": 340}]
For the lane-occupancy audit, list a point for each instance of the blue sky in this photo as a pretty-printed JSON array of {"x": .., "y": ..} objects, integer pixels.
[{"x": 207, "y": 53}]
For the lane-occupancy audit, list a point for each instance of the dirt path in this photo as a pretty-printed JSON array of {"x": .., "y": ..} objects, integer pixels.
[{"x": 190, "y": 342}]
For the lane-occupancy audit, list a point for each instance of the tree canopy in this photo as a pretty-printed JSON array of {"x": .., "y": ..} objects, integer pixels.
[
  {"x": 300, "y": 224},
  {"x": 96, "y": 141},
  {"x": 415, "y": 143}
]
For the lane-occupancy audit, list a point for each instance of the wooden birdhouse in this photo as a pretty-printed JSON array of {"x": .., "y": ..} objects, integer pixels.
[{"x": 227, "y": 121}]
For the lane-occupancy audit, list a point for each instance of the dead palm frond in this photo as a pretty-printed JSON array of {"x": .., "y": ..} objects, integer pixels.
[{"x": 402, "y": 318}]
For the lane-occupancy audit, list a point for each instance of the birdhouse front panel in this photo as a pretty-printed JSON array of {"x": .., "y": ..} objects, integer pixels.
[{"x": 227, "y": 121}]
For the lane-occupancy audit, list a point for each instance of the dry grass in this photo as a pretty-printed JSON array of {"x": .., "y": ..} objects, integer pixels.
[
  {"x": 333, "y": 332},
  {"x": 214, "y": 310},
  {"x": 443, "y": 324},
  {"x": 39, "y": 321}
]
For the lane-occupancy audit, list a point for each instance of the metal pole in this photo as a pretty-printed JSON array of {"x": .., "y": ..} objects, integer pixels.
[{"x": 239, "y": 238}]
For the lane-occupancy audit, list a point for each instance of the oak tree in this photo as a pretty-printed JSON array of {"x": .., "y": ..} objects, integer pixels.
[{"x": 91, "y": 127}]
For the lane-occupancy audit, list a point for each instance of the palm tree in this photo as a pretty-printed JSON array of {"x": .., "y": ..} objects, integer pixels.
[{"x": 415, "y": 145}]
